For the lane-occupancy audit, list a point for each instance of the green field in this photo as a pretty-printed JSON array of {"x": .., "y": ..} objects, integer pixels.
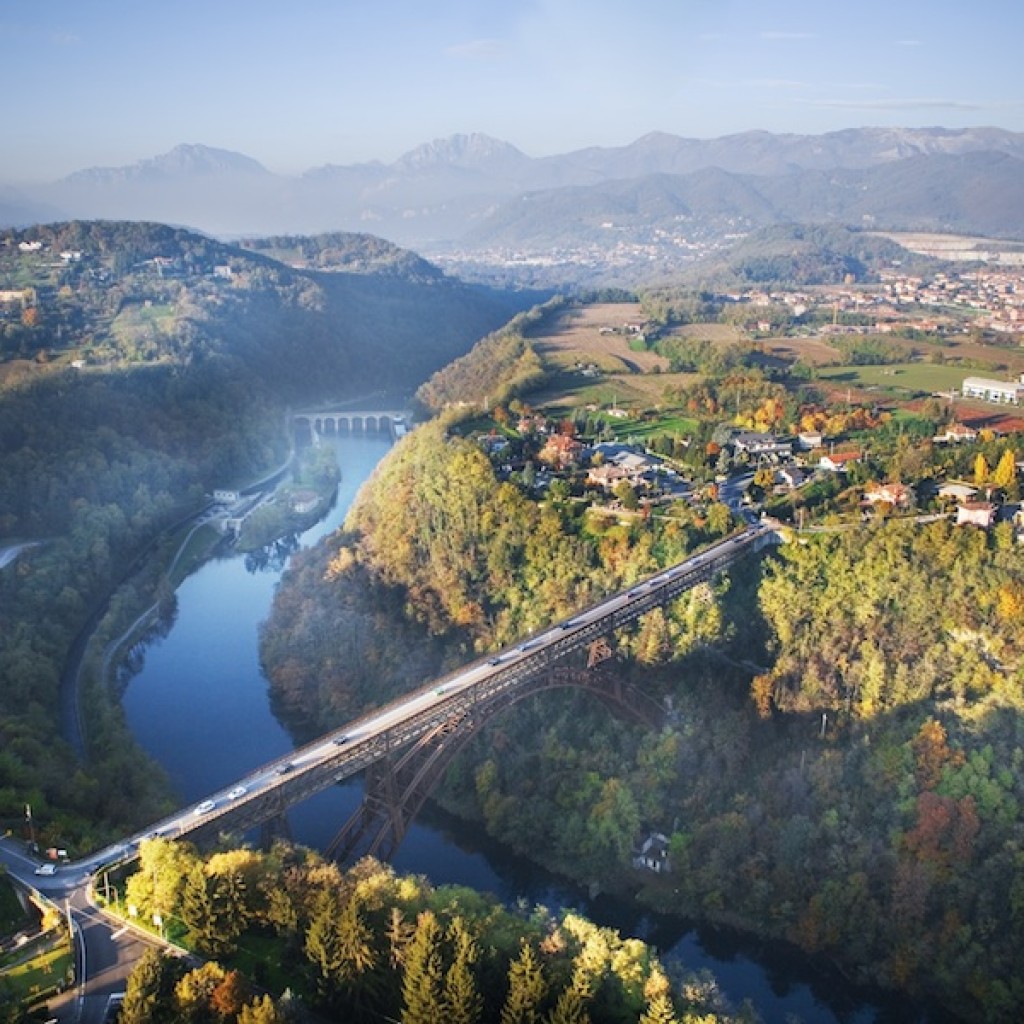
[
  {"x": 140, "y": 320},
  {"x": 897, "y": 379},
  {"x": 39, "y": 968}
]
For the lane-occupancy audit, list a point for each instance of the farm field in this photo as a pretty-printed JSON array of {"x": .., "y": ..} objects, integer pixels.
[
  {"x": 578, "y": 337},
  {"x": 135, "y": 321},
  {"x": 625, "y": 378}
]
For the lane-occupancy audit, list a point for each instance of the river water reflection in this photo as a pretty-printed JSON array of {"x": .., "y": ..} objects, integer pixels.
[{"x": 200, "y": 706}]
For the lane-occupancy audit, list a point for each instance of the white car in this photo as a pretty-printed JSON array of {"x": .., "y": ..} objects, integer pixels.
[
  {"x": 237, "y": 792},
  {"x": 205, "y": 807},
  {"x": 46, "y": 869}
]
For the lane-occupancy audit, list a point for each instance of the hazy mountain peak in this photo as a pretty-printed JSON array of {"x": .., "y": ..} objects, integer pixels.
[
  {"x": 474, "y": 150},
  {"x": 184, "y": 161}
]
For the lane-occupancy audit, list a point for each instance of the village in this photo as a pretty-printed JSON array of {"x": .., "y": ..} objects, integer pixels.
[{"x": 806, "y": 479}]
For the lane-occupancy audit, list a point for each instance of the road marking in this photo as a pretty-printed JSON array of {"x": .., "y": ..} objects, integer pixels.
[{"x": 114, "y": 936}]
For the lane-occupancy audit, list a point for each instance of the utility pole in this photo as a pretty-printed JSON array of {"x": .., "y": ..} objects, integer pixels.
[{"x": 31, "y": 826}]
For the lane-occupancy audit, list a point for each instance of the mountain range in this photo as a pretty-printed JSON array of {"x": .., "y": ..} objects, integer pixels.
[{"x": 473, "y": 192}]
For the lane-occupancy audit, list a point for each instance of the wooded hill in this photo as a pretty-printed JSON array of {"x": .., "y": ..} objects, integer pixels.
[{"x": 142, "y": 370}]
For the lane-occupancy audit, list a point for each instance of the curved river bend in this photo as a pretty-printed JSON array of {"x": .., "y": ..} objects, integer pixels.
[{"x": 200, "y": 706}]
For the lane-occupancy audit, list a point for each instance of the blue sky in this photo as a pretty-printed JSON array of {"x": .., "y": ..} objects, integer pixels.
[{"x": 302, "y": 83}]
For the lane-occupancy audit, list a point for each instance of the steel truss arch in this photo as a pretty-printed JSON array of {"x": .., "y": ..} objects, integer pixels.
[{"x": 398, "y": 786}]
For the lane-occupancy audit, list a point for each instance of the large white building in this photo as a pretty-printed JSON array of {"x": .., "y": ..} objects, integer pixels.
[{"x": 1007, "y": 392}]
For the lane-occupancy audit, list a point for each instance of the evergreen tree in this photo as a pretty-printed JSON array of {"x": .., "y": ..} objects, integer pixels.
[
  {"x": 421, "y": 980},
  {"x": 358, "y": 983},
  {"x": 229, "y": 897},
  {"x": 281, "y": 912},
  {"x": 210, "y": 912},
  {"x": 462, "y": 1001},
  {"x": 399, "y": 935},
  {"x": 659, "y": 1011},
  {"x": 356, "y": 947},
  {"x": 659, "y": 1000},
  {"x": 149, "y": 992},
  {"x": 526, "y": 989},
  {"x": 323, "y": 943}
]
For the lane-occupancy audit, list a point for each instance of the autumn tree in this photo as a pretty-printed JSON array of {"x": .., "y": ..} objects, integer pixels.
[
  {"x": 657, "y": 991},
  {"x": 262, "y": 1010},
  {"x": 228, "y": 998},
  {"x": 193, "y": 992},
  {"x": 761, "y": 689},
  {"x": 1004, "y": 476}
]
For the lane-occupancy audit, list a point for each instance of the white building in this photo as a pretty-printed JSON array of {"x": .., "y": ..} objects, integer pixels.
[{"x": 1005, "y": 392}]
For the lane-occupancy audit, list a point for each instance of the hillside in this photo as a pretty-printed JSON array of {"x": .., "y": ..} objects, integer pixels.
[
  {"x": 840, "y": 765},
  {"x": 126, "y": 294},
  {"x": 801, "y": 255}
]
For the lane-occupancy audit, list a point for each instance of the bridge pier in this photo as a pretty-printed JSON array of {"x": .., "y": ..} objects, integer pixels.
[{"x": 273, "y": 829}]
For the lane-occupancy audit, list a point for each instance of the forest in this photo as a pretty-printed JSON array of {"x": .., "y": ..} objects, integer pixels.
[{"x": 365, "y": 944}]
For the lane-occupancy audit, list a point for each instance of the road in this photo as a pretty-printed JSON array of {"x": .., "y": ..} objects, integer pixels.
[
  {"x": 731, "y": 491},
  {"x": 105, "y": 951}
]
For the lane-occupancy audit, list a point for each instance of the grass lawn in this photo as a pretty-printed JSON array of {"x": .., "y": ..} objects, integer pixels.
[
  {"x": 562, "y": 392},
  {"x": 40, "y": 967},
  {"x": 196, "y": 552},
  {"x": 900, "y": 379},
  {"x": 679, "y": 426}
]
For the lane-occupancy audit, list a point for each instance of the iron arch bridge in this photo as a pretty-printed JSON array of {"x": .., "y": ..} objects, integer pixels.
[{"x": 404, "y": 747}]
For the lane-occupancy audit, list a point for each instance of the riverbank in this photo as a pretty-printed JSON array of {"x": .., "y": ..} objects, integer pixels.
[{"x": 144, "y": 594}]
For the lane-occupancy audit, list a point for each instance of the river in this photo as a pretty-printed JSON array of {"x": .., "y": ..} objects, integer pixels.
[{"x": 200, "y": 706}]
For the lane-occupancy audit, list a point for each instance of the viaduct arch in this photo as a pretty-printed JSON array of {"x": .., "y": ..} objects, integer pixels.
[{"x": 342, "y": 422}]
